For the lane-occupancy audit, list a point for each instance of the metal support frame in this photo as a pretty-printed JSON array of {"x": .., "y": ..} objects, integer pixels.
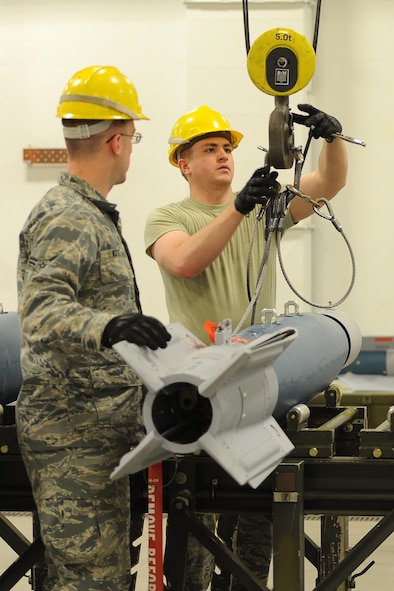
[
  {"x": 331, "y": 487},
  {"x": 12, "y": 535},
  {"x": 28, "y": 555},
  {"x": 328, "y": 486},
  {"x": 182, "y": 522},
  {"x": 288, "y": 526},
  {"x": 325, "y": 484},
  {"x": 343, "y": 570}
]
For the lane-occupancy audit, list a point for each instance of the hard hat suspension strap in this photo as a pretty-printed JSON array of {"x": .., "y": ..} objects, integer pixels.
[
  {"x": 95, "y": 100},
  {"x": 82, "y": 132}
]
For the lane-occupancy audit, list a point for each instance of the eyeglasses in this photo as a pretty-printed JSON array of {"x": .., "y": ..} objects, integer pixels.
[{"x": 135, "y": 137}]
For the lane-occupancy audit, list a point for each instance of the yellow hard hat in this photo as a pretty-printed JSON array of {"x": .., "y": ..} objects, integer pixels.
[
  {"x": 99, "y": 92},
  {"x": 197, "y": 123}
]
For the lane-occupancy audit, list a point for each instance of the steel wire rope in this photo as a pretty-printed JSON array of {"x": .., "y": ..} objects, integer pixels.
[
  {"x": 339, "y": 228},
  {"x": 245, "y": 10},
  {"x": 260, "y": 279}
]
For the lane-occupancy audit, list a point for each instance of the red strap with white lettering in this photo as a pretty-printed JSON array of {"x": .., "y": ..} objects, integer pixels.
[{"x": 155, "y": 527}]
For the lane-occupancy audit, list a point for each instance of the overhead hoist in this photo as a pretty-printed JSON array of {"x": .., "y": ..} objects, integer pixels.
[{"x": 280, "y": 63}]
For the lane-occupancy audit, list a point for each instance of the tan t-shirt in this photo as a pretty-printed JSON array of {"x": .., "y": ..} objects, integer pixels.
[{"x": 220, "y": 291}]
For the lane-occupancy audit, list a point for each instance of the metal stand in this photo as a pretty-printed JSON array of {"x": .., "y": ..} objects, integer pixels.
[
  {"x": 30, "y": 553},
  {"x": 342, "y": 470}
]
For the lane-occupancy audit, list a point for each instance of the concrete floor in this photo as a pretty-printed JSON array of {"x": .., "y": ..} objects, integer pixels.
[{"x": 380, "y": 576}]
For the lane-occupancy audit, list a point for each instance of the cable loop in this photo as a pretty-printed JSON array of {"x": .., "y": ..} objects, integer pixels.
[
  {"x": 317, "y": 205},
  {"x": 331, "y": 215}
]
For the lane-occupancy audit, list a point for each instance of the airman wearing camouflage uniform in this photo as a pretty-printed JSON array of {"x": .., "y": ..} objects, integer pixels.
[{"x": 79, "y": 409}]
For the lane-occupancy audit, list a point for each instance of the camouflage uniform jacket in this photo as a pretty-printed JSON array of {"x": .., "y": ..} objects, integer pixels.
[{"x": 74, "y": 275}]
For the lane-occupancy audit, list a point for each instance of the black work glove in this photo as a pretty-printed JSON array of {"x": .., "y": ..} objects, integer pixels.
[
  {"x": 259, "y": 187},
  {"x": 144, "y": 331},
  {"x": 321, "y": 124}
]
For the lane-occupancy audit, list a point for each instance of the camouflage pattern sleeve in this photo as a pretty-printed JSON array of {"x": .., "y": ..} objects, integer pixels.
[
  {"x": 73, "y": 277},
  {"x": 73, "y": 272}
]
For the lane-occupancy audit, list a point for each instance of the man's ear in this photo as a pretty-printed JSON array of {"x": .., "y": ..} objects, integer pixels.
[
  {"x": 183, "y": 165},
  {"x": 114, "y": 144}
]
